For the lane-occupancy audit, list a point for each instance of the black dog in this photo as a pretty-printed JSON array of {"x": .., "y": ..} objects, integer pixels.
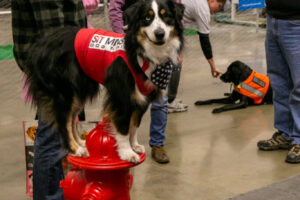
[
  {"x": 250, "y": 88},
  {"x": 64, "y": 72}
]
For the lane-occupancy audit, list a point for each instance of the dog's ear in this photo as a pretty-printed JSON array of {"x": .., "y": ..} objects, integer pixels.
[
  {"x": 246, "y": 71},
  {"x": 131, "y": 13},
  {"x": 240, "y": 71},
  {"x": 232, "y": 73},
  {"x": 179, "y": 10},
  {"x": 236, "y": 73}
]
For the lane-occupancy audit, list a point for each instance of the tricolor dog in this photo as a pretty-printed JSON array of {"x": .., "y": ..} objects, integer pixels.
[
  {"x": 250, "y": 88},
  {"x": 66, "y": 67}
]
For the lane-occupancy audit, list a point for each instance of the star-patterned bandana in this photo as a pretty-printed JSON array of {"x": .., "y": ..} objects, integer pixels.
[{"x": 161, "y": 75}]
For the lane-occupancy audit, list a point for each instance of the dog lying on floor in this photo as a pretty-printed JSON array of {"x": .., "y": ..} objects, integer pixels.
[
  {"x": 250, "y": 88},
  {"x": 66, "y": 67}
]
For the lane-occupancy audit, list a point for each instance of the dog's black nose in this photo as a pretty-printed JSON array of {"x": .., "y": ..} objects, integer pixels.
[
  {"x": 224, "y": 78},
  {"x": 159, "y": 34}
]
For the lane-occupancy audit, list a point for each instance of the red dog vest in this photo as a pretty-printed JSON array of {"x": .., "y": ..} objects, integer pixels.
[
  {"x": 96, "y": 49},
  {"x": 255, "y": 87}
]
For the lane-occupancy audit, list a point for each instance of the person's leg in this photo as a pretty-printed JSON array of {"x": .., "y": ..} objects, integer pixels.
[
  {"x": 279, "y": 74},
  {"x": 159, "y": 118},
  {"x": 175, "y": 105},
  {"x": 47, "y": 168},
  {"x": 289, "y": 40},
  {"x": 281, "y": 84},
  {"x": 289, "y": 32}
]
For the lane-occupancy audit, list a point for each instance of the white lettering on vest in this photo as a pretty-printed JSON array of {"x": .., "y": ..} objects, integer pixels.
[{"x": 107, "y": 43}]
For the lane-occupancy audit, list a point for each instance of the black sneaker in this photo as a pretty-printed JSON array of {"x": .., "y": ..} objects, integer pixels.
[
  {"x": 294, "y": 154},
  {"x": 276, "y": 142}
]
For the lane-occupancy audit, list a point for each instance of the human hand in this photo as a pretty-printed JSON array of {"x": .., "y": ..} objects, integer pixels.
[
  {"x": 90, "y": 5},
  {"x": 180, "y": 58},
  {"x": 125, "y": 28},
  {"x": 215, "y": 72}
]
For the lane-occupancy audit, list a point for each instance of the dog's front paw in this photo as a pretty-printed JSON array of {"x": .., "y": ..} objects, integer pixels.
[
  {"x": 217, "y": 110},
  {"x": 81, "y": 143},
  {"x": 129, "y": 155},
  {"x": 80, "y": 152},
  {"x": 138, "y": 148}
]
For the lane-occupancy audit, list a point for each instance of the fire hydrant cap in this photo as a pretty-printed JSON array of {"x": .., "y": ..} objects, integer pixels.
[{"x": 102, "y": 150}]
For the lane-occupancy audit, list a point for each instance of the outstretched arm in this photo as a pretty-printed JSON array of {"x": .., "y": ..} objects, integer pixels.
[{"x": 207, "y": 51}]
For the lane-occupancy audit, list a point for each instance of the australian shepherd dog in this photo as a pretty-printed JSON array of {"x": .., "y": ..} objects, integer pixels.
[{"x": 60, "y": 81}]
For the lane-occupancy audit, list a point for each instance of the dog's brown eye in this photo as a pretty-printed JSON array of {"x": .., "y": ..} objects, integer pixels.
[
  {"x": 162, "y": 11},
  {"x": 150, "y": 12}
]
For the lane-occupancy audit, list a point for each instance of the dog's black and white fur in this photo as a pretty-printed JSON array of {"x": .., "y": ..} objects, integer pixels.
[
  {"x": 60, "y": 88},
  {"x": 236, "y": 73}
]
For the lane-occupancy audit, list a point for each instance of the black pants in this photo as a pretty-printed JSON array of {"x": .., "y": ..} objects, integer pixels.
[{"x": 174, "y": 83}]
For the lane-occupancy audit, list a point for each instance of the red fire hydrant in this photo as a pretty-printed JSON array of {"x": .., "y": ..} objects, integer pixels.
[{"x": 101, "y": 175}]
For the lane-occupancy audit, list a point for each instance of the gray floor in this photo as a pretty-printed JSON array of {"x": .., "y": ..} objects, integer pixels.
[
  {"x": 287, "y": 189},
  {"x": 213, "y": 156}
]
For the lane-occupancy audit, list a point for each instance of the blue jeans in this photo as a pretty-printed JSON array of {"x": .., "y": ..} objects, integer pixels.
[
  {"x": 159, "y": 118},
  {"x": 283, "y": 65},
  {"x": 47, "y": 164}
]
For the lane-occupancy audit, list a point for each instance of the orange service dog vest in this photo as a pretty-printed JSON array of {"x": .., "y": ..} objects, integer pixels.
[{"x": 255, "y": 87}]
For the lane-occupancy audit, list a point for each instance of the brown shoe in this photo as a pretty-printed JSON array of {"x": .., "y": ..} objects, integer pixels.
[
  {"x": 294, "y": 154},
  {"x": 276, "y": 142},
  {"x": 159, "y": 154}
]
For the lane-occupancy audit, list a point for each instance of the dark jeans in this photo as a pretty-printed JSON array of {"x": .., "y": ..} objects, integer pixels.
[
  {"x": 47, "y": 168},
  {"x": 174, "y": 83}
]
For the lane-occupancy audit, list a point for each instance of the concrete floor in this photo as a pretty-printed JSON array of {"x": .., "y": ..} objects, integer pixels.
[{"x": 213, "y": 156}]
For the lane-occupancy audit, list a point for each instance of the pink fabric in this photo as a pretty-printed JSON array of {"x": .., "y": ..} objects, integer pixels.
[
  {"x": 89, "y": 25},
  {"x": 116, "y": 15},
  {"x": 90, "y": 5},
  {"x": 25, "y": 96}
]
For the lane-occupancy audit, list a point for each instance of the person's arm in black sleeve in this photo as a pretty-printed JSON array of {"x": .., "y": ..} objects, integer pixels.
[
  {"x": 207, "y": 51},
  {"x": 205, "y": 45}
]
